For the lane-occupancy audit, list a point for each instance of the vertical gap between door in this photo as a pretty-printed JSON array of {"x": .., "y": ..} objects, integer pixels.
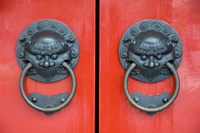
[{"x": 97, "y": 41}]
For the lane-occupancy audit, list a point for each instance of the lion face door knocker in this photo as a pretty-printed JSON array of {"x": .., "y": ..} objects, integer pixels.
[
  {"x": 47, "y": 51},
  {"x": 150, "y": 51}
]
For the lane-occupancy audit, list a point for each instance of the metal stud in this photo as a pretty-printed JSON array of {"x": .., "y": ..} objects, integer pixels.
[
  {"x": 165, "y": 100},
  {"x": 136, "y": 99},
  {"x": 34, "y": 99},
  {"x": 62, "y": 100}
]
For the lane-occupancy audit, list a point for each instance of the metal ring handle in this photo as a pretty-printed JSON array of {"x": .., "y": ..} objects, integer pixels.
[
  {"x": 151, "y": 110},
  {"x": 53, "y": 109}
]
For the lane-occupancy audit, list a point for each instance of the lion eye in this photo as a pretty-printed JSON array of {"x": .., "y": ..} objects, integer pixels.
[
  {"x": 143, "y": 57},
  {"x": 54, "y": 56},
  {"x": 39, "y": 57}
]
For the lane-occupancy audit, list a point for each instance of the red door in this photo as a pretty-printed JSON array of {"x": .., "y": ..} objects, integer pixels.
[
  {"x": 15, "y": 115},
  {"x": 117, "y": 115}
]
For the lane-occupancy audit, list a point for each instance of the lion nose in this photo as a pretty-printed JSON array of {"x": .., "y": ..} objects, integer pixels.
[{"x": 46, "y": 64}]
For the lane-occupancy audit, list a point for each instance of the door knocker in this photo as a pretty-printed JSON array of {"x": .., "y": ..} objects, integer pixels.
[
  {"x": 150, "y": 51},
  {"x": 47, "y": 51}
]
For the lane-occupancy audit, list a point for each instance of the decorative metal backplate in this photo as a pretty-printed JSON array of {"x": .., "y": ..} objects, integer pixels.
[
  {"x": 150, "y": 44},
  {"x": 46, "y": 101},
  {"x": 150, "y": 101},
  {"x": 46, "y": 44}
]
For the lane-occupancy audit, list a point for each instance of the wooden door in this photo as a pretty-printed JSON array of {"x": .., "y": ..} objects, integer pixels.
[
  {"x": 117, "y": 115},
  {"x": 15, "y": 115}
]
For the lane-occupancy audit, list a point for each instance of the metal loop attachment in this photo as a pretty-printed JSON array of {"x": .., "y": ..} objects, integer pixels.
[
  {"x": 46, "y": 44},
  {"x": 49, "y": 109},
  {"x": 150, "y": 44},
  {"x": 157, "y": 109}
]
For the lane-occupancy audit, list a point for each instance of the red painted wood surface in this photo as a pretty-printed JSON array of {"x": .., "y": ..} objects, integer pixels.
[
  {"x": 15, "y": 115},
  {"x": 117, "y": 115}
]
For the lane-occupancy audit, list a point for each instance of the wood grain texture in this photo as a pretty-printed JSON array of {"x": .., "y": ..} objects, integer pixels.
[
  {"x": 15, "y": 115},
  {"x": 117, "y": 115}
]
